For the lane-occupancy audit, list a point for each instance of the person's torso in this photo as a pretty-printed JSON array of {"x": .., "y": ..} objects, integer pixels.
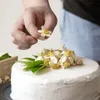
[{"x": 87, "y": 9}]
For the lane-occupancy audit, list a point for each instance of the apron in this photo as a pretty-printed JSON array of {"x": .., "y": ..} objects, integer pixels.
[{"x": 80, "y": 35}]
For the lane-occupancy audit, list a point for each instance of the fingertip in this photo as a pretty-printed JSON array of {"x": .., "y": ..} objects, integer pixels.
[
  {"x": 23, "y": 48},
  {"x": 43, "y": 38},
  {"x": 33, "y": 42},
  {"x": 14, "y": 41},
  {"x": 20, "y": 48}
]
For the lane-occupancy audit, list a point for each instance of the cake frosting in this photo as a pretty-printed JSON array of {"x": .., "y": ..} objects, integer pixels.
[{"x": 74, "y": 83}]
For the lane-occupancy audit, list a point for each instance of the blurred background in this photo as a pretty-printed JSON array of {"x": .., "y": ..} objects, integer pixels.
[{"x": 10, "y": 10}]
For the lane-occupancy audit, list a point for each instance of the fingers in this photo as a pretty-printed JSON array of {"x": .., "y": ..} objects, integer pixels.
[
  {"x": 30, "y": 23},
  {"x": 21, "y": 39},
  {"x": 50, "y": 21}
]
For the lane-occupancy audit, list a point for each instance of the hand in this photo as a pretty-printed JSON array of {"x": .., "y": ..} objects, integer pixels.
[{"x": 26, "y": 33}]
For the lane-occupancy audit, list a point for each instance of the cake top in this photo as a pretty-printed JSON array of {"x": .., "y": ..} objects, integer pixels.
[
  {"x": 54, "y": 65},
  {"x": 88, "y": 71},
  {"x": 54, "y": 59}
]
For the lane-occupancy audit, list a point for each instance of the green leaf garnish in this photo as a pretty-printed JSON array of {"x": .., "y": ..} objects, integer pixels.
[
  {"x": 5, "y": 56},
  {"x": 35, "y": 56},
  {"x": 32, "y": 65},
  {"x": 36, "y": 68},
  {"x": 28, "y": 67},
  {"x": 29, "y": 59},
  {"x": 42, "y": 67},
  {"x": 25, "y": 62},
  {"x": 38, "y": 62}
]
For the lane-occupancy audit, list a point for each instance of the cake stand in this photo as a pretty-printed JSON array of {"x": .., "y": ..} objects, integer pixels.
[{"x": 5, "y": 90}]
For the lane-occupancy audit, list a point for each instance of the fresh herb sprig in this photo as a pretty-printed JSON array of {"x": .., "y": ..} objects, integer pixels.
[
  {"x": 32, "y": 64},
  {"x": 5, "y": 56}
]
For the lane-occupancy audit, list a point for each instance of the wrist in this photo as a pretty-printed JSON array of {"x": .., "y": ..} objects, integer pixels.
[{"x": 33, "y": 3}]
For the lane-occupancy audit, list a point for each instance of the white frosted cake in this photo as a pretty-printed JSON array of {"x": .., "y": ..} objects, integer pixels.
[{"x": 75, "y": 82}]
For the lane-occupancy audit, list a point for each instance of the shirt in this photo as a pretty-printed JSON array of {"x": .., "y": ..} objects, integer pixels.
[{"x": 87, "y": 9}]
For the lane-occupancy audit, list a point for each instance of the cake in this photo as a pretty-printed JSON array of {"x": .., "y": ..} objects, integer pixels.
[{"x": 67, "y": 79}]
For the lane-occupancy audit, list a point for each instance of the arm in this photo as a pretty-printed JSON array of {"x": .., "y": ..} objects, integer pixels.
[{"x": 32, "y": 3}]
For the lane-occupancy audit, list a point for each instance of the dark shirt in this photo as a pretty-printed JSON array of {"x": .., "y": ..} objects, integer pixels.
[{"x": 87, "y": 9}]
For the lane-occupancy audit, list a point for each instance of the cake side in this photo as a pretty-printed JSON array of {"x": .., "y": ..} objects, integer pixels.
[{"x": 56, "y": 84}]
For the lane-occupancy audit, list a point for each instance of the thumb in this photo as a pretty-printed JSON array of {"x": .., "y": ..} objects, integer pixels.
[{"x": 50, "y": 22}]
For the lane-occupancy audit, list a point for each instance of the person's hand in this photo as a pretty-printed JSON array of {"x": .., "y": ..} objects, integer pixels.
[{"x": 26, "y": 33}]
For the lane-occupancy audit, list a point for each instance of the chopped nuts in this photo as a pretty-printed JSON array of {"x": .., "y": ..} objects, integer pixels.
[
  {"x": 7, "y": 78},
  {"x": 0, "y": 81},
  {"x": 4, "y": 80}
]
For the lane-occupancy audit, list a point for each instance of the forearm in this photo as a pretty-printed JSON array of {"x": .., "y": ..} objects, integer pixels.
[{"x": 32, "y": 3}]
